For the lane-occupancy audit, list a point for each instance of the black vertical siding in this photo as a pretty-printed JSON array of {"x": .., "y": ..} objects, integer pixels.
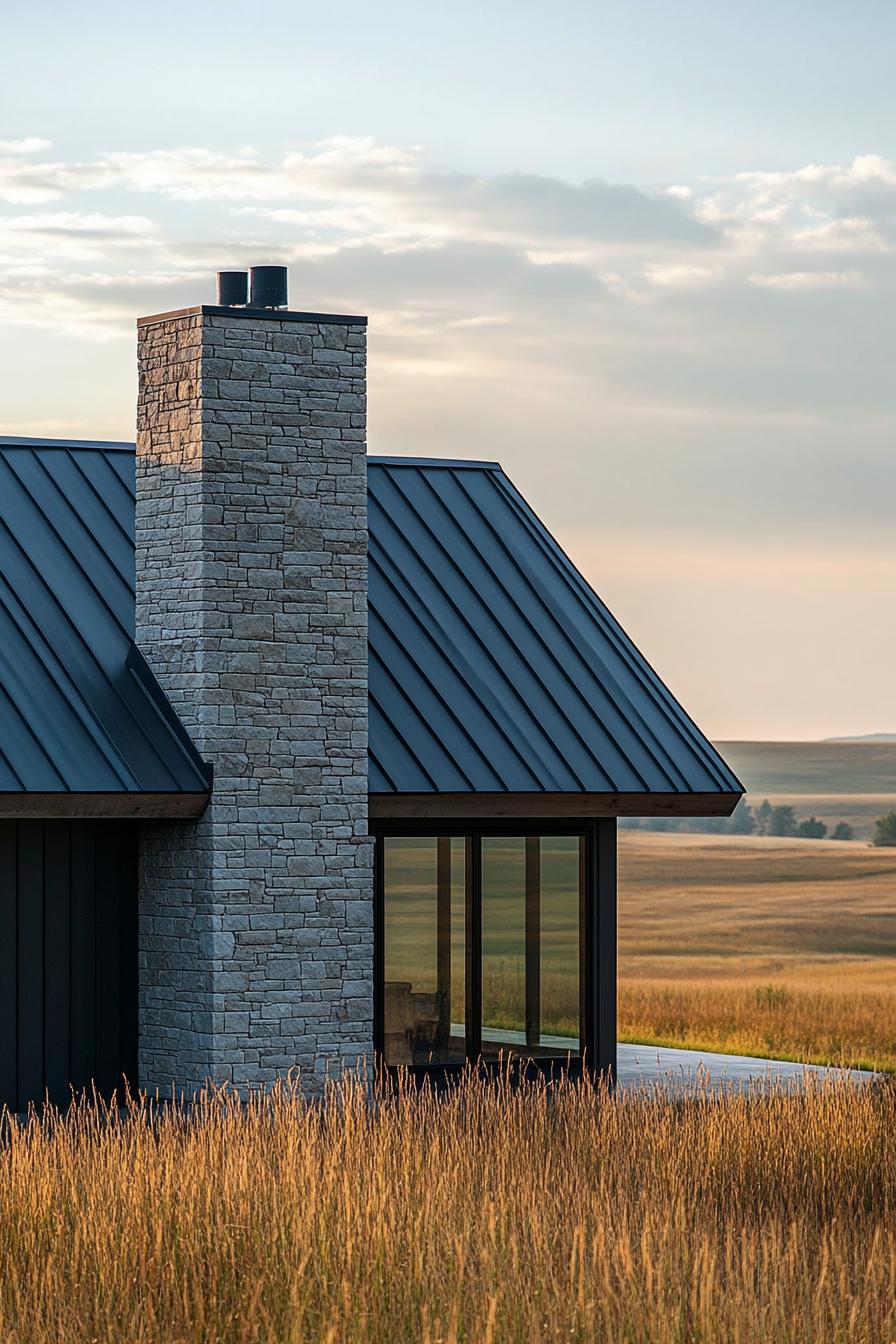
[
  {"x": 9, "y": 985},
  {"x": 68, "y": 957}
]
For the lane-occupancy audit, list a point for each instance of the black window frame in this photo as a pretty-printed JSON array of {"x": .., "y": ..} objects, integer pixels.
[{"x": 597, "y": 938}]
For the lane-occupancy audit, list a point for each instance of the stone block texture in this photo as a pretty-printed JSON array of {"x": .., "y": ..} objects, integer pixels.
[{"x": 256, "y": 923}]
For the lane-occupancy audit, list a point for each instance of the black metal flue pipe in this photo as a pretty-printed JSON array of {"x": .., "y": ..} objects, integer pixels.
[
  {"x": 267, "y": 286},
  {"x": 233, "y": 288}
]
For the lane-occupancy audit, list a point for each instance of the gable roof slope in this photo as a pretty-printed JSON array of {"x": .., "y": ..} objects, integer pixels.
[
  {"x": 494, "y": 667},
  {"x": 80, "y": 711}
]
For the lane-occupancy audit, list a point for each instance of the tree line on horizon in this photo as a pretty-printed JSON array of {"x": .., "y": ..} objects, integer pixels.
[{"x": 767, "y": 819}]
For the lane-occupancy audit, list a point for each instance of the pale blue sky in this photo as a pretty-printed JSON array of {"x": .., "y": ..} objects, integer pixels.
[
  {"x": 642, "y": 253},
  {"x": 643, "y": 91}
]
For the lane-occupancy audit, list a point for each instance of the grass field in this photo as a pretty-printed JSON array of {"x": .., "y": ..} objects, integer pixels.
[
  {"x": 859, "y": 810},
  {"x": 491, "y": 1217},
  {"x": 853, "y": 782},
  {"x": 759, "y": 946},
  {"x": 800, "y": 768}
]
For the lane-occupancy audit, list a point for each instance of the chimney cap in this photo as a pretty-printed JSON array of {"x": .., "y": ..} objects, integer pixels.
[
  {"x": 267, "y": 286},
  {"x": 232, "y": 288}
]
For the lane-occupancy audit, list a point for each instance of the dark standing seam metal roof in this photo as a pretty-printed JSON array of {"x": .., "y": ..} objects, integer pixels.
[
  {"x": 80, "y": 711},
  {"x": 494, "y": 667}
]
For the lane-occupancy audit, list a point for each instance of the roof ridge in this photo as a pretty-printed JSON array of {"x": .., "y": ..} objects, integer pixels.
[
  {"x": 22, "y": 441},
  {"x": 378, "y": 459},
  {"x": 450, "y": 463}
]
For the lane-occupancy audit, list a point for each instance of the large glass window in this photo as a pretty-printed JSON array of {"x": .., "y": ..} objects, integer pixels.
[
  {"x": 481, "y": 947},
  {"x": 424, "y": 914},
  {"x": 531, "y": 897}
]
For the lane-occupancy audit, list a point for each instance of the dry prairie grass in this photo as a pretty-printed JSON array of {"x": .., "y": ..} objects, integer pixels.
[
  {"x": 759, "y": 946},
  {"x": 490, "y": 1215},
  {"x": 748, "y": 1014}
]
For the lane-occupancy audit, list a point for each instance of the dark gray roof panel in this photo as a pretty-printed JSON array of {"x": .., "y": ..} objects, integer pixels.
[
  {"x": 494, "y": 666},
  {"x": 80, "y": 711}
]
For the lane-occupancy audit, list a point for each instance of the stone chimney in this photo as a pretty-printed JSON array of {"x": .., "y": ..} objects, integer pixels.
[{"x": 256, "y": 922}]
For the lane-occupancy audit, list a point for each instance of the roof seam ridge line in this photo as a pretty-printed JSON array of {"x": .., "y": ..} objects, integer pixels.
[
  {"x": 622, "y": 702},
  {"x": 550, "y": 654},
  {"x": 491, "y": 709},
  {"x": 403, "y": 740},
  {"x": 671, "y": 707},
  {"x": 675, "y": 779},
  {"x": 452, "y": 714},
  {"x": 84, "y": 644},
  {"x": 103, "y": 502},
  {"x": 127, "y": 483},
  {"x": 372, "y": 756},
  {"x": 487, "y": 710},
  {"x": 5, "y": 692},
  {"x": 436, "y": 695},
  {"x": 458, "y": 570},
  {"x": 83, "y": 521},
  {"x": 73, "y": 697},
  {"x": 12, "y": 770},
  {"x": 558, "y": 708},
  {"x": 614, "y": 632},
  {"x": 627, "y": 710},
  {"x": 68, "y": 550}
]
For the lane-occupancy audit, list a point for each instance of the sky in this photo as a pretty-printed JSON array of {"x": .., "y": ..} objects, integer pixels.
[{"x": 641, "y": 254}]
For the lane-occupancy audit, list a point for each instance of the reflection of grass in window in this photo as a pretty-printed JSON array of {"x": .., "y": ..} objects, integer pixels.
[
  {"x": 559, "y": 1000},
  {"x": 503, "y": 934},
  {"x": 410, "y": 920},
  {"x": 411, "y": 913}
]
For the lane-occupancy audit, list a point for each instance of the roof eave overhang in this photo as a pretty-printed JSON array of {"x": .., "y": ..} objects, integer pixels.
[
  {"x": 109, "y": 806},
  {"x": 575, "y": 806}
]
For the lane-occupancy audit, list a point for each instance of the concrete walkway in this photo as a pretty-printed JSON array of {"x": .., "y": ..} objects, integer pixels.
[{"x": 640, "y": 1064}]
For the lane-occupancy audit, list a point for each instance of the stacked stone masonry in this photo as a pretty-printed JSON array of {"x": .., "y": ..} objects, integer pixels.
[{"x": 256, "y": 923}]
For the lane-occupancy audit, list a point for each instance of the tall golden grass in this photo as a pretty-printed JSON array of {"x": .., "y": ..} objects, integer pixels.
[
  {"x": 759, "y": 946},
  {"x": 491, "y": 1214},
  {"x": 810, "y": 1014}
]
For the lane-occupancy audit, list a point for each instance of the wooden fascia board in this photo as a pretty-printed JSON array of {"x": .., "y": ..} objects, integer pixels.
[
  {"x": 422, "y": 806},
  {"x": 113, "y": 806}
]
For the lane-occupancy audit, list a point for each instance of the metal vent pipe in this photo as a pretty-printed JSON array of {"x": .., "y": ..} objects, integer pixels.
[
  {"x": 233, "y": 288},
  {"x": 267, "y": 286}
]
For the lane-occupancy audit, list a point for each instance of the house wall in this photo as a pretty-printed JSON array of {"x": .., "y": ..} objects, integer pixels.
[
  {"x": 68, "y": 958},
  {"x": 256, "y": 941}
]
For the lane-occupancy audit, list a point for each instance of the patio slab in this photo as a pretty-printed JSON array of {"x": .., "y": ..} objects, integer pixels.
[{"x": 640, "y": 1065}]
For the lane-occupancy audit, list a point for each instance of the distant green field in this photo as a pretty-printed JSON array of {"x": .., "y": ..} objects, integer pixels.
[
  {"x": 799, "y": 768},
  {"x": 759, "y": 946},
  {"x": 853, "y": 782}
]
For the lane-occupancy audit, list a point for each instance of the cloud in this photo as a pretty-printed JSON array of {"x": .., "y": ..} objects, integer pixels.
[
  {"x": 808, "y": 280},
  {"x": 399, "y": 193},
  {"x": 715, "y": 302},
  {"x": 90, "y": 303},
  {"x": 840, "y": 235},
  {"x": 75, "y": 235},
  {"x": 32, "y": 144},
  {"x": 679, "y": 276},
  {"x": 403, "y": 192},
  {"x": 28, "y": 183},
  {"x": 817, "y": 206}
]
